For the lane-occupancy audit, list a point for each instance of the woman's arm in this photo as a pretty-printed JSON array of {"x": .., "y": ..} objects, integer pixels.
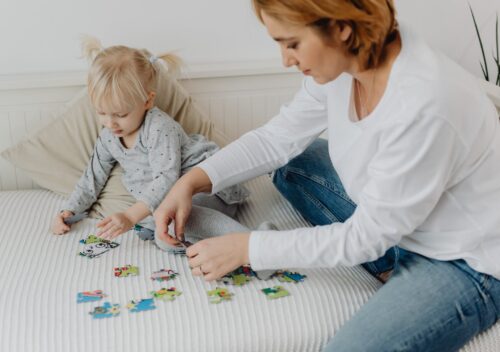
[{"x": 271, "y": 146}]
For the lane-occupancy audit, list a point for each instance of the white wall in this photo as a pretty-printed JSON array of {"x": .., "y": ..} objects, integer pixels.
[{"x": 42, "y": 36}]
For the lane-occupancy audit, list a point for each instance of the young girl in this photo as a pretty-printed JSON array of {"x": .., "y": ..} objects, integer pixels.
[
  {"x": 408, "y": 182},
  {"x": 153, "y": 149}
]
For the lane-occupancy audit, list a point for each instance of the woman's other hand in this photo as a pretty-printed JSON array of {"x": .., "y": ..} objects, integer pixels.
[{"x": 213, "y": 258}]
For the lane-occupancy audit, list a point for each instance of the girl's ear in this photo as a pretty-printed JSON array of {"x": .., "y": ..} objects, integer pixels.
[{"x": 151, "y": 100}]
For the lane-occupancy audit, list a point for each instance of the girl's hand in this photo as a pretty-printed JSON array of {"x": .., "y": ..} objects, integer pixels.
[
  {"x": 114, "y": 225},
  {"x": 59, "y": 227},
  {"x": 215, "y": 257}
]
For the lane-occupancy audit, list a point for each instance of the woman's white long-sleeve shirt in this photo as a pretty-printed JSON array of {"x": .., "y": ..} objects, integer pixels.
[{"x": 423, "y": 167}]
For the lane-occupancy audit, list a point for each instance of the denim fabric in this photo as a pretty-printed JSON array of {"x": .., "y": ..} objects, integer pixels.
[{"x": 426, "y": 305}]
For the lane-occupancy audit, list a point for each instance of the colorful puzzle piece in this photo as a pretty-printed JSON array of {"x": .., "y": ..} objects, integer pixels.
[
  {"x": 237, "y": 280},
  {"x": 92, "y": 239},
  {"x": 219, "y": 294},
  {"x": 164, "y": 275},
  {"x": 275, "y": 292},
  {"x": 288, "y": 276},
  {"x": 107, "y": 310},
  {"x": 141, "y": 306},
  {"x": 166, "y": 294},
  {"x": 127, "y": 270},
  {"x": 89, "y": 296},
  {"x": 95, "y": 246}
]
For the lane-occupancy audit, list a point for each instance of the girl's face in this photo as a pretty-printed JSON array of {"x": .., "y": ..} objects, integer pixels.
[
  {"x": 125, "y": 123},
  {"x": 303, "y": 47}
]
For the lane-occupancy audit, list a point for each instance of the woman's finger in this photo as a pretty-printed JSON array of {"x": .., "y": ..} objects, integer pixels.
[
  {"x": 180, "y": 221},
  {"x": 162, "y": 221},
  {"x": 195, "y": 261}
]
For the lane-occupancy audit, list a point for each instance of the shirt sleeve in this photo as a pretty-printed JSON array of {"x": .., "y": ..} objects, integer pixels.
[
  {"x": 93, "y": 179},
  {"x": 164, "y": 143},
  {"x": 407, "y": 177},
  {"x": 271, "y": 146}
]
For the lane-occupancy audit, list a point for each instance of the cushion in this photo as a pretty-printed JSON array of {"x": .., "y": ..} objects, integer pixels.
[{"x": 57, "y": 155}]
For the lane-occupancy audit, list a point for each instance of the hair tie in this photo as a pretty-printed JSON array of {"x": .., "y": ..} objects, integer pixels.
[{"x": 153, "y": 59}]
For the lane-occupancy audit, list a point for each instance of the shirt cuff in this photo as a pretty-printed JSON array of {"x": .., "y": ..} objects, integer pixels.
[
  {"x": 260, "y": 252},
  {"x": 212, "y": 175}
]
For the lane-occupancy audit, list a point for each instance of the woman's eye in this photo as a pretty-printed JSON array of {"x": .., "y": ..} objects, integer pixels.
[{"x": 292, "y": 46}]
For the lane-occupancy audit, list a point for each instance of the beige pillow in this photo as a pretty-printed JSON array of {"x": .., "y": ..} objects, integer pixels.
[{"x": 56, "y": 156}]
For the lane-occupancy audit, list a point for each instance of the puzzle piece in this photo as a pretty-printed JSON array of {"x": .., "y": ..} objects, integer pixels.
[
  {"x": 219, "y": 294},
  {"x": 141, "y": 306},
  {"x": 244, "y": 270},
  {"x": 288, "y": 276},
  {"x": 235, "y": 279},
  {"x": 164, "y": 275},
  {"x": 89, "y": 296},
  {"x": 127, "y": 270},
  {"x": 107, "y": 310},
  {"x": 166, "y": 294},
  {"x": 275, "y": 292},
  {"x": 95, "y": 246},
  {"x": 93, "y": 239}
]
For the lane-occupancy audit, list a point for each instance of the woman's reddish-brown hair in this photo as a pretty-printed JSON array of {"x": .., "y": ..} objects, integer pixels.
[{"x": 373, "y": 22}]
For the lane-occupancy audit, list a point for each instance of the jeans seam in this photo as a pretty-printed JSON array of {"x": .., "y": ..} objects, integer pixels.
[
  {"x": 321, "y": 181},
  {"x": 321, "y": 207}
]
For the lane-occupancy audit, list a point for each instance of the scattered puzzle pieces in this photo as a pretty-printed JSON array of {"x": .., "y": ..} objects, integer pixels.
[
  {"x": 166, "y": 294},
  {"x": 275, "y": 292},
  {"x": 219, "y": 294},
  {"x": 127, "y": 270},
  {"x": 95, "y": 246},
  {"x": 89, "y": 296},
  {"x": 288, "y": 276},
  {"x": 164, "y": 275},
  {"x": 141, "y": 306},
  {"x": 107, "y": 310}
]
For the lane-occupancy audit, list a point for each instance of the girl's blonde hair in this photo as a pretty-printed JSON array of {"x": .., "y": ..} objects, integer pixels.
[
  {"x": 373, "y": 22},
  {"x": 121, "y": 77}
]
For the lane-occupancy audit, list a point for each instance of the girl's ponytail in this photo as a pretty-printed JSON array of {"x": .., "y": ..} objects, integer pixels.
[
  {"x": 91, "y": 47},
  {"x": 173, "y": 63}
]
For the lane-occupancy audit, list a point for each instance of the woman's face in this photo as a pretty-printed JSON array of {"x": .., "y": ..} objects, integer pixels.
[{"x": 303, "y": 47}]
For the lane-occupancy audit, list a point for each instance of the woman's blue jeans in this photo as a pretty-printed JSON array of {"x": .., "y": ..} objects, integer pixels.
[{"x": 426, "y": 305}]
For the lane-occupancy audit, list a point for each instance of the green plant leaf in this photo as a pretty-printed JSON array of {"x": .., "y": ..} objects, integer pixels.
[{"x": 485, "y": 67}]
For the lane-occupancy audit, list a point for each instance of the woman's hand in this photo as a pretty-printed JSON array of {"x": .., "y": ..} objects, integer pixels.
[
  {"x": 59, "y": 227},
  {"x": 178, "y": 203},
  {"x": 175, "y": 207},
  {"x": 114, "y": 225},
  {"x": 215, "y": 257}
]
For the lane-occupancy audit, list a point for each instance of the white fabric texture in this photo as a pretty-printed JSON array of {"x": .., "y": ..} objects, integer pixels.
[
  {"x": 41, "y": 275},
  {"x": 421, "y": 167}
]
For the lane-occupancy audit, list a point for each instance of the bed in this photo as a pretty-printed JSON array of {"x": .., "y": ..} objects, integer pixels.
[{"x": 41, "y": 274}]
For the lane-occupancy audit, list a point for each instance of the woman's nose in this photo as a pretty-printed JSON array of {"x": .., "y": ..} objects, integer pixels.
[{"x": 288, "y": 59}]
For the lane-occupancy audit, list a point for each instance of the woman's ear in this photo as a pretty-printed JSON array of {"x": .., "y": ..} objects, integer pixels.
[
  {"x": 151, "y": 100},
  {"x": 344, "y": 31}
]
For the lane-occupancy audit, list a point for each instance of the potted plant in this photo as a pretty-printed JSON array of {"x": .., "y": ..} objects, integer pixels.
[{"x": 491, "y": 82}]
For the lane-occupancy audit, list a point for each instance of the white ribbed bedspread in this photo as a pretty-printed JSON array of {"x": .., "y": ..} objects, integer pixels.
[{"x": 40, "y": 275}]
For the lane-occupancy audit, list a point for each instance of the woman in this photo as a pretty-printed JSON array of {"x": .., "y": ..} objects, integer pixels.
[{"x": 408, "y": 182}]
